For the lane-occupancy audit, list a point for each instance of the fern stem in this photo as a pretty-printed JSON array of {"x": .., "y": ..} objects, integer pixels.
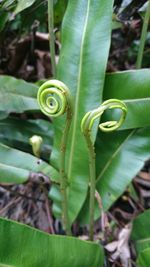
[
  {"x": 63, "y": 178},
  {"x": 91, "y": 153},
  {"x": 51, "y": 35},
  {"x": 143, "y": 37},
  {"x": 54, "y": 100},
  {"x": 86, "y": 128}
]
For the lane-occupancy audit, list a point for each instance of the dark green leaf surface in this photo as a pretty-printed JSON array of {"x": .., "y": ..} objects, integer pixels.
[
  {"x": 23, "y": 5},
  {"x": 120, "y": 156},
  {"x": 141, "y": 232},
  {"x": 23, "y": 246},
  {"x": 17, "y": 96},
  {"x": 124, "y": 155},
  {"x": 16, "y": 166},
  {"x": 16, "y": 133},
  {"x": 85, "y": 47},
  {"x": 144, "y": 258},
  {"x": 134, "y": 88},
  {"x": 59, "y": 10}
]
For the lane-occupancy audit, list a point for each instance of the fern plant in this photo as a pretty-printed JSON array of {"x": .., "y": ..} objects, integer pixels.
[{"x": 92, "y": 102}]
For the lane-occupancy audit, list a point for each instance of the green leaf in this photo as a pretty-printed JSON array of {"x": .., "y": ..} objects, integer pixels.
[
  {"x": 120, "y": 156},
  {"x": 4, "y": 17},
  {"x": 133, "y": 88},
  {"x": 16, "y": 166},
  {"x": 140, "y": 232},
  {"x": 17, "y": 96},
  {"x": 85, "y": 46},
  {"x": 22, "y": 4},
  {"x": 144, "y": 258},
  {"x": 59, "y": 10},
  {"x": 141, "y": 237},
  {"x": 24, "y": 246},
  {"x": 16, "y": 133}
]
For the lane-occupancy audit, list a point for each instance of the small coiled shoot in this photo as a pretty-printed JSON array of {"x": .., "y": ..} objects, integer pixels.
[
  {"x": 54, "y": 100},
  {"x": 86, "y": 128}
]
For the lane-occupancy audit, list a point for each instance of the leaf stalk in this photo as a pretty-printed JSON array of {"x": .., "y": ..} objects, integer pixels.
[
  {"x": 54, "y": 100},
  {"x": 143, "y": 37},
  {"x": 51, "y": 35},
  {"x": 86, "y": 128}
]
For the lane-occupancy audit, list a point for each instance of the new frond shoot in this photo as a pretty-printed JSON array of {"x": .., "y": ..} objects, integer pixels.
[
  {"x": 86, "y": 128},
  {"x": 54, "y": 100}
]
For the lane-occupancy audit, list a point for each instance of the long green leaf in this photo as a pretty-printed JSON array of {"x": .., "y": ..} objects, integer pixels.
[
  {"x": 134, "y": 88},
  {"x": 16, "y": 166},
  {"x": 141, "y": 237},
  {"x": 140, "y": 233},
  {"x": 120, "y": 156},
  {"x": 144, "y": 258},
  {"x": 16, "y": 96},
  {"x": 23, "y": 5},
  {"x": 23, "y": 246},
  {"x": 85, "y": 47}
]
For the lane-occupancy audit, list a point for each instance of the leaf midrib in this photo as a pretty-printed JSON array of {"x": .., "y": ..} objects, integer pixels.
[
  {"x": 143, "y": 240},
  {"x": 6, "y": 265},
  {"x": 77, "y": 95},
  {"x": 12, "y": 167},
  {"x": 137, "y": 100}
]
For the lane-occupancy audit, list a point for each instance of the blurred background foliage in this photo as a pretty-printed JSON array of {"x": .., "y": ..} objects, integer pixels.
[{"x": 22, "y": 24}]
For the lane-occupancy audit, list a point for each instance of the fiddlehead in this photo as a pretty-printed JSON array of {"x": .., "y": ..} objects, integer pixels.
[
  {"x": 54, "y": 100},
  {"x": 86, "y": 128}
]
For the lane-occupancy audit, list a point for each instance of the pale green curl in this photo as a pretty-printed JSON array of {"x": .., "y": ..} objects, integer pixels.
[{"x": 54, "y": 100}]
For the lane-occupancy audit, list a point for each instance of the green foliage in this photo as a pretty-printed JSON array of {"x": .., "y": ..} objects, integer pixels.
[
  {"x": 16, "y": 96},
  {"x": 77, "y": 56},
  {"x": 141, "y": 237},
  {"x": 26, "y": 247},
  {"x": 16, "y": 133},
  {"x": 86, "y": 34},
  {"x": 144, "y": 258},
  {"x": 140, "y": 233},
  {"x": 23, "y": 5},
  {"x": 16, "y": 14},
  {"x": 17, "y": 166}
]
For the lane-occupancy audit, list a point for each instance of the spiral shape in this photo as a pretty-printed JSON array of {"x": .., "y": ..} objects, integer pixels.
[
  {"x": 54, "y": 98},
  {"x": 91, "y": 116}
]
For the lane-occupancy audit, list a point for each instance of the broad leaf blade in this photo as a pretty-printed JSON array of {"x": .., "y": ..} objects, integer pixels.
[
  {"x": 16, "y": 133},
  {"x": 133, "y": 87},
  {"x": 17, "y": 96},
  {"x": 24, "y": 246},
  {"x": 85, "y": 47},
  {"x": 125, "y": 157},
  {"x": 144, "y": 258},
  {"x": 140, "y": 232},
  {"x": 23, "y": 5},
  {"x": 16, "y": 166},
  {"x": 141, "y": 237}
]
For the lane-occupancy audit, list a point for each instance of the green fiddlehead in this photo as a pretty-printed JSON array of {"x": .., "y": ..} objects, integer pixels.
[
  {"x": 54, "y": 100},
  {"x": 86, "y": 128}
]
